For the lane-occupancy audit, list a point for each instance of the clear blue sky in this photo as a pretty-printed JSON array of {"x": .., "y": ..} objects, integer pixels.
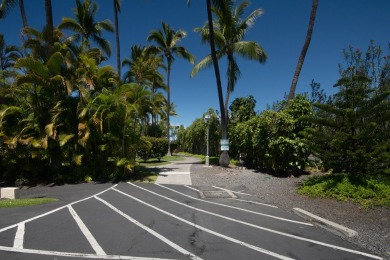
[{"x": 281, "y": 31}]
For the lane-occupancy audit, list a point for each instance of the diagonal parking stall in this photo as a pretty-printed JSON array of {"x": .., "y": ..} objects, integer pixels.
[
  {"x": 147, "y": 221},
  {"x": 294, "y": 244}
]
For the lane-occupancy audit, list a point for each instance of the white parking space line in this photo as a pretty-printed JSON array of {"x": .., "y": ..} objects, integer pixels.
[
  {"x": 233, "y": 191},
  {"x": 174, "y": 173},
  {"x": 259, "y": 227},
  {"x": 78, "y": 255},
  {"x": 256, "y": 248},
  {"x": 237, "y": 208},
  {"x": 55, "y": 210},
  {"x": 255, "y": 202},
  {"x": 248, "y": 201},
  {"x": 88, "y": 235},
  {"x": 19, "y": 236},
  {"x": 149, "y": 230}
]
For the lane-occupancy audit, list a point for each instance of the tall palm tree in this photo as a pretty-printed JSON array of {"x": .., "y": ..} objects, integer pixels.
[
  {"x": 86, "y": 28},
  {"x": 224, "y": 159},
  {"x": 229, "y": 32},
  {"x": 117, "y": 9},
  {"x": 166, "y": 41},
  {"x": 304, "y": 50},
  {"x": 49, "y": 14},
  {"x": 7, "y": 5}
]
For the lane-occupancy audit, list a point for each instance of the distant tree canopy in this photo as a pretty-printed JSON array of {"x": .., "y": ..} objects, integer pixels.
[{"x": 348, "y": 131}]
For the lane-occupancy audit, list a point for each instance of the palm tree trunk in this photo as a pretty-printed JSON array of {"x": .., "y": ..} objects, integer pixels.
[
  {"x": 229, "y": 86},
  {"x": 169, "y": 105},
  {"x": 224, "y": 158},
  {"x": 118, "y": 49},
  {"x": 49, "y": 14},
  {"x": 23, "y": 13},
  {"x": 304, "y": 50}
]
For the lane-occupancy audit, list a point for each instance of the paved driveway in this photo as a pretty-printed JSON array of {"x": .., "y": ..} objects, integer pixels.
[{"x": 154, "y": 221}]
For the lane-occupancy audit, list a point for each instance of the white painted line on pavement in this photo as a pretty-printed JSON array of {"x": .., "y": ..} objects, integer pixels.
[
  {"x": 255, "y": 202},
  {"x": 78, "y": 255},
  {"x": 248, "y": 201},
  {"x": 88, "y": 235},
  {"x": 151, "y": 231},
  {"x": 258, "y": 249},
  {"x": 237, "y": 208},
  {"x": 55, "y": 210},
  {"x": 262, "y": 228},
  {"x": 19, "y": 236},
  {"x": 233, "y": 191},
  {"x": 174, "y": 173}
]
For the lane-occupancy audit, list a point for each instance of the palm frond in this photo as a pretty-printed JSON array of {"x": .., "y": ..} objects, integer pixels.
[
  {"x": 54, "y": 64},
  {"x": 204, "y": 63},
  {"x": 64, "y": 138},
  {"x": 250, "y": 50},
  {"x": 33, "y": 65},
  {"x": 78, "y": 159}
]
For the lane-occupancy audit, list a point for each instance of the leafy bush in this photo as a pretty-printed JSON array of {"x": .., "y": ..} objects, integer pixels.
[
  {"x": 145, "y": 148},
  {"x": 152, "y": 147},
  {"x": 159, "y": 147},
  {"x": 272, "y": 140},
  {"x": 363, "y": 189}
]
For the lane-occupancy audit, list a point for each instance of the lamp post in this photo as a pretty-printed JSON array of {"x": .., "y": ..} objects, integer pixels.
[{"x": 206, "y": 120}]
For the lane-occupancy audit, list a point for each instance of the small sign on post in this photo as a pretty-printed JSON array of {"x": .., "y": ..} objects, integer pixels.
[{"x": 224, "y": 145}]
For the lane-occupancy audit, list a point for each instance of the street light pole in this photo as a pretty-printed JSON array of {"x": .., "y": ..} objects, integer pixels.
[{"x": 206, "y": 120}]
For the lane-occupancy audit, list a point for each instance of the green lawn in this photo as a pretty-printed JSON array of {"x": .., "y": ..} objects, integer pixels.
[
  {"x": 163, "y": 161},
  {"x": 25, "y": 202}
]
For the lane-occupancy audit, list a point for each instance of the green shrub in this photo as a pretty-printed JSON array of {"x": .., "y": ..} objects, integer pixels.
[
  {"x": 272, "y": 140},
  {"x": 363, "y": 189},
  {"x": 145, "y": 148},
  {"x": 159, "y": 147},
  {"x": 152, "y": 147}
]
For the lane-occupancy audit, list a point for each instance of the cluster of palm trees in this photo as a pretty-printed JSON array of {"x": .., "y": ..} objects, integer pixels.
[
  {"x": 61, "y": 109},
  {"x": 62, "y": 112}
]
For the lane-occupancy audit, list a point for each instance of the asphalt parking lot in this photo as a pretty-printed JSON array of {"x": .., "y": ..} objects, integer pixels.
[{"x": 162, "y": 221}]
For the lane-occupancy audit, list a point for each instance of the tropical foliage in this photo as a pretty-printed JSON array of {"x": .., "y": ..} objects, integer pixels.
[
  {"x": 166, "y": 43},
  {"x": 351, "y": 133},
  {"x": 229, "y": 33},
  {"x": 66, "y": 118}
]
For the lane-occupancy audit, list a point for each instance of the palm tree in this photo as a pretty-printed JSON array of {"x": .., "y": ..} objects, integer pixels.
[
  {"x": 7, "y": 5},
  {"x": 166, "y": 41},
  {"x": 229, "y": 32},
  {"x": 117, "y": 8},
  {"x": 304, "y": 50},
  {"x": 49, "y": 14},
  {"x": 224, "y": 159},
  {"x": 86, "y": 28}
]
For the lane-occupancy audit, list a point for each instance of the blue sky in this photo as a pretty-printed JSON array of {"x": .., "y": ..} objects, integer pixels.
[{"x": 281, "y": 31}]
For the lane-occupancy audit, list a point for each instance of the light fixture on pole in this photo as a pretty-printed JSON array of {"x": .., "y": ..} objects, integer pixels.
[{"x": 207, "y": 118}]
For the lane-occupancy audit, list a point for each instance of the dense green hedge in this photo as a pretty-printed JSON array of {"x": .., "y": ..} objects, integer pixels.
[
  {"x": 272, "y": 140},
  {"x": 152, "y": 147}
]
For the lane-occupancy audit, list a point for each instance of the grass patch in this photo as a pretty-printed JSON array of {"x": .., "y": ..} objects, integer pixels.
[
  {"x": 365, "y": 190},
  {"x": 25, "y": 202},
  {"x": 164, "y": 160}
]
